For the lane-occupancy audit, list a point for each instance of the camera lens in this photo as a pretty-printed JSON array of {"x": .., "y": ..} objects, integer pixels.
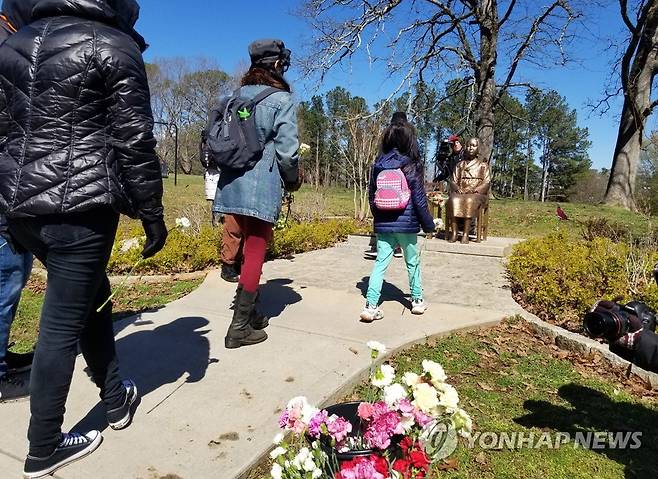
[
  {"x": 595, "y": 325},
  {"x": 605, "y": 325}
]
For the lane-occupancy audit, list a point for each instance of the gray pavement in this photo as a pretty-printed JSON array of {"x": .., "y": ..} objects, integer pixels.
[{"x": 208, "y": 412}]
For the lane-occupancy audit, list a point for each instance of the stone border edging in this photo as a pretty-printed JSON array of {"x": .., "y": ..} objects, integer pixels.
[
  {"x": 136, "y": 278},
  {"x": 360, "y": 376},
  {"x": 582, "y": 345}
]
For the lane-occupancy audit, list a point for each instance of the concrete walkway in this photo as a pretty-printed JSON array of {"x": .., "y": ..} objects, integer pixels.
[{"x": 208, "y": 412}]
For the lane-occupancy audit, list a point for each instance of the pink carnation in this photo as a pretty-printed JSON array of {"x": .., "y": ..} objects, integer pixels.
[
  {"x": 369, "y": 467},
  {"x": 383, "y": 424},
  {"x": 365, "y": 410},
  {"x": 315, "y": 425},
  {"x": 291, "y": 419},
  {"x": 338, "y": 428}
]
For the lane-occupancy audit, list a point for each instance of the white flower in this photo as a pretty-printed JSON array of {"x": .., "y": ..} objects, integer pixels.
[
  {"x": 435, "y": 370},
  {"x": 462, "y": 422},
  {"x": 127, "y": 245},
  {"x": 316, "y": 474},
  {"x": 383, "y": 376},
  {"x": 276, "y": 472},
  {"x": 438, "y": 222},
  {"x": 448, "y": 397},
  {"x": 410, "y": 379},
  {"x": 309, "y": 465},
  {"x": 279, "y": 451},
  {"x": 278, "y": 438},
  {"x": 183, "y": 222},
  {"x": 376, "y": 348},
  {"x": 393, "y": 393},
  {"x": 425, "y": 398},
  {"x": 304, "y": 148}
]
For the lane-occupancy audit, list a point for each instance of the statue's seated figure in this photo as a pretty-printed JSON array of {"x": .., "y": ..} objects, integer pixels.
[{"x": 469, "y": 189}]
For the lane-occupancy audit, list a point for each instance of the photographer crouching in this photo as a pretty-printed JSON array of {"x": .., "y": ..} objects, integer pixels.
[{"x": 630, "y": 330}]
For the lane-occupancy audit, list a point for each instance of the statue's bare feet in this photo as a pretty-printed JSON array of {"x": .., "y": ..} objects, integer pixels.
[{"x": 465, "y": 239}]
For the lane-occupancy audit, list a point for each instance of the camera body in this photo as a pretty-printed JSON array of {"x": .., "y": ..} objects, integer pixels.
[
  {"x": 610, "y": 320},
  {"x": 444, "y": 151}
]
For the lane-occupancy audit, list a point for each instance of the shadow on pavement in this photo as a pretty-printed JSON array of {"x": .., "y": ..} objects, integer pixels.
[
  {"x": 158, "y": 357},
  {"x": 275, "y": 296},
  {"x": 390, "y": 292},
  {"x": 590, "y": 410}
]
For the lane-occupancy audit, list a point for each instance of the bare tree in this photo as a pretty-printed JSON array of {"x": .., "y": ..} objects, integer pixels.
[
  {"x": 432, "y": 40},
  {"x": 638, "y": 65}
]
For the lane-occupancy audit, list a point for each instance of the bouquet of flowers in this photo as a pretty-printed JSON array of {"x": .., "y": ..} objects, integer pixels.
[{"x": 399, "y": 433}]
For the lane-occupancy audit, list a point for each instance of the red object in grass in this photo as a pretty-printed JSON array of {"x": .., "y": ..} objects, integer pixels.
[{"x": 561, "y": 214}]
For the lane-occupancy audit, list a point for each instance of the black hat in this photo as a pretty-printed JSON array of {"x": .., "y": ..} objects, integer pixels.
[
  {"x": 399, "y": 117},
  {"x": 268, "y": 51}
]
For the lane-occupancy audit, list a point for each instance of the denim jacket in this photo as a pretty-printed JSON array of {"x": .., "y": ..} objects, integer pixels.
[{"x": 257, "y": 192}]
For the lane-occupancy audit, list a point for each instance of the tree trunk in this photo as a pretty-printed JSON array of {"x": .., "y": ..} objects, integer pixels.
[
  {"x": 317, "y": 160},
  {"x": 621, "y": 185},
  {"x": 637, "y": 78},
  {"x": 527, "y": 168},
  {"x": 485, "y": 75}
]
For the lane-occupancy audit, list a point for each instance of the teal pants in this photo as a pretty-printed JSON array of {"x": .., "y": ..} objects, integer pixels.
[{"x": 386, "y": 243}]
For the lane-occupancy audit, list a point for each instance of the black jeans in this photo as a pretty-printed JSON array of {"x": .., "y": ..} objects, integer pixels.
[{"x": 75, "y": 249}]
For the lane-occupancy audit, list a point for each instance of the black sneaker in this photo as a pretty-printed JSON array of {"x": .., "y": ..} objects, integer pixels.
[
  {"x": 229, "y": 273},
  {"x": 121, "y": 417},
  {"x": 13, "y": 387},
  {"x": 73, "y": 446},
  {"x": 18, "y": 362}
]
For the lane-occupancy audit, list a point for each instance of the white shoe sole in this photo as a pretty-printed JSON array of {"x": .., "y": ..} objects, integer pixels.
[
  {"x": 128, "y": 417},
  {"x": 93, "y": 445},
  {"x": 419, "y": 311},
  {"x": 366, "y": 318}
]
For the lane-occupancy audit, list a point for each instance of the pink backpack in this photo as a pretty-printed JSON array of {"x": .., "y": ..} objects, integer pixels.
[{"x": 392, "y": 190}]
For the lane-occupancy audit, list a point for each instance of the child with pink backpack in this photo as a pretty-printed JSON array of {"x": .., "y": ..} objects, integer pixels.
[{"x": 399, "y": 207}]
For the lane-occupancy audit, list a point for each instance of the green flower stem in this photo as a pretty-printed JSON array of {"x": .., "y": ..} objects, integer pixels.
[{"x": 121, "y": 285}]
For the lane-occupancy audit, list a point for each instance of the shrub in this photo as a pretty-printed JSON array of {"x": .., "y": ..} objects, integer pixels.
[
  {"x": 301, "y": 237},
  {"x": 197, "y": 247},
  {"x": 559, "y": 278},
  {"x": 604, "y": 228}
]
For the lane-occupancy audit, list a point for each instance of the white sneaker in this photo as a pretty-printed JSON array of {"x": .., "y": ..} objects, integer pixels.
[
  {"x": 370, "y": 254},
  {"x": 397, "y": 253},
  {"x": 418, "y": 306},
  {"x": 371, "y": 313}
]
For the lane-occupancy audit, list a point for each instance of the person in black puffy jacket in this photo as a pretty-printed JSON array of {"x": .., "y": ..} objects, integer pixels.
[{"x": 78, "y": 150}]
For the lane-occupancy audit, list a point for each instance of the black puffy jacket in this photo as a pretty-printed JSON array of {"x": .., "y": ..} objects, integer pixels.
[{"x": 76, "y": 119}]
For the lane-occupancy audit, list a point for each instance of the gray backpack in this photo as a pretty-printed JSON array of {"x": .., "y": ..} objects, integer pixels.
[{"x": 232, "y": 140}]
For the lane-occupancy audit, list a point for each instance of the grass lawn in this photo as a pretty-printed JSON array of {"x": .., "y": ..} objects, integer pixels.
[
  {"x": 130, "y": 300},
  {"x": 524, "y": 219},
  {"x": 510, "y": 381}
]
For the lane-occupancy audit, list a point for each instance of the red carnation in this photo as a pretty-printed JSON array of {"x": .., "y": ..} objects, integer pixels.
[
  {"x": 381, "y": 464},
  {"x": 419, "y": 459},
  {"x": 402, "y": 466}
]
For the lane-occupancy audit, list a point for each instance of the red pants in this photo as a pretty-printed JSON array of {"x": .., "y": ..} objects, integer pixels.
[{"x": 256, "y": 234}]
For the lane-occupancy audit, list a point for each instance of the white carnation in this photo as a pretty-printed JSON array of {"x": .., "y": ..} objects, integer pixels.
[
  {"x": 383, "y": 376},
  {"x": 393, "y": 393},
  {"x": 279, "y": 451}
]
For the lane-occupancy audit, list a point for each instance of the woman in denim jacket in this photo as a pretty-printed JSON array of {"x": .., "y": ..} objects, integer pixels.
[{"x": 254, "y": 196}]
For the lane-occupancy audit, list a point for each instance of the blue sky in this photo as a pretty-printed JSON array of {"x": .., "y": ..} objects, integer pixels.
[{"x": 221, "y": 30}]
